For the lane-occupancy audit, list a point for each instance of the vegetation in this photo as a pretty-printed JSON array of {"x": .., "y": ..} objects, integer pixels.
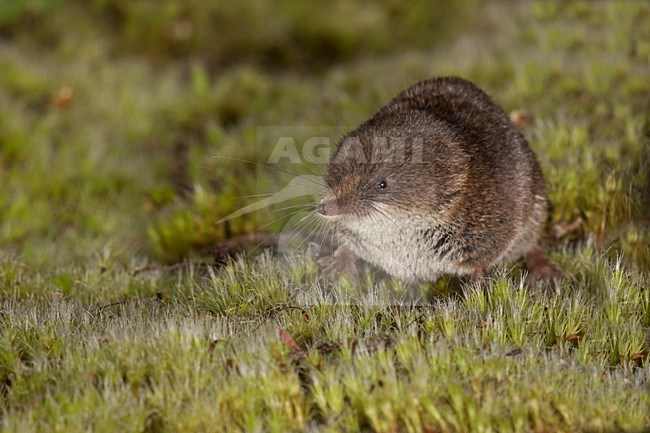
[{"x": 123, "y": 127}]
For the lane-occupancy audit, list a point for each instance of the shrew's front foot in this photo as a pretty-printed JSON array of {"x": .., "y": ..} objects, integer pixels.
[{"x": 341, "y": 262}]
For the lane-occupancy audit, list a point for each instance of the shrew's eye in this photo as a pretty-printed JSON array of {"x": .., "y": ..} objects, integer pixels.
[{"x": 382, "y": 184}]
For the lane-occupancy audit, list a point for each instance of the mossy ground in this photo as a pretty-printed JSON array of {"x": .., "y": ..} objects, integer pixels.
[{"x": 119, "y": 123}]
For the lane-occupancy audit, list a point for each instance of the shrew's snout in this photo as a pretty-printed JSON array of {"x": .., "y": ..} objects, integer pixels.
[{"x": 328, "y": 208}]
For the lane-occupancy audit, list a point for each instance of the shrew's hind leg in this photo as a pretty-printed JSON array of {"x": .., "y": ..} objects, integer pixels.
[{"x": 540, "y": 267}]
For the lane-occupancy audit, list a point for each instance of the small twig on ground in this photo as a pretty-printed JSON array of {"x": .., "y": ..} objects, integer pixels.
[
  {"x": 155, "y": 268},
  {"x": 102, "y": 307},
  {"x": 561, "y": 230}
]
